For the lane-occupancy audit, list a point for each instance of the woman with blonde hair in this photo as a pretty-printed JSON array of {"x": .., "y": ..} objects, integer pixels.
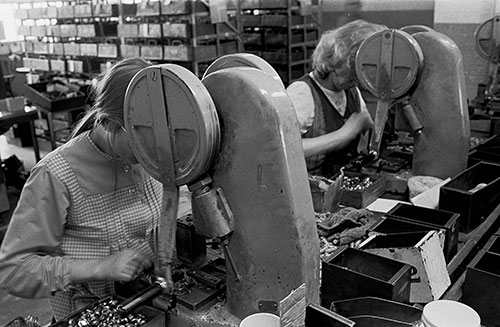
[
  {"x": 330, "y": 109},
  {"x": 86, "y": 215}
]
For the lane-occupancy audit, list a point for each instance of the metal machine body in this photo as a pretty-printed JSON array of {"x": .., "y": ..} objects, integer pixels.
[
  {"x": 262, "y": 170},
  {"x": 233, "y": 138},
  {"x": 422, "y": 76}
]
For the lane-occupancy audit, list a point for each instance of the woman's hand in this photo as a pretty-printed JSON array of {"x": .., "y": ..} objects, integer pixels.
[
  {"x": 359, "y": 122},
  {"x": 123, "y": 266}
]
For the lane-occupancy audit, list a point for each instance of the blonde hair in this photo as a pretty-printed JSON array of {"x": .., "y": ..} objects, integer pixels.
[
  {"x": 108, "y": 95},
  {"x": 337, "y": 48}
]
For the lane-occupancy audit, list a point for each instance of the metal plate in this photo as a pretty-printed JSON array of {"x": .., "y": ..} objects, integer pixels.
[
  {"x": 172, "y": 122},
  {"x": 402, "y": 52},
  {"x": 243, "y": 60},
  {"x": 487, "y": 39}
]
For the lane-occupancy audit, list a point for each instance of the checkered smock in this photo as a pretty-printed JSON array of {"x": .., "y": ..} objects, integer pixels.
[{"x": 78, "y": 203}]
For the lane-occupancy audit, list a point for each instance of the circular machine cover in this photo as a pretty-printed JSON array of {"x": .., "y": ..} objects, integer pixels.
[
  {"x": 243, "y": 60},
  {"x": 485, "y": 39},
  {"x": 412, "y": 29},
  {"x": 172, "y": 123},
  {"x": 407, "y": 59}
]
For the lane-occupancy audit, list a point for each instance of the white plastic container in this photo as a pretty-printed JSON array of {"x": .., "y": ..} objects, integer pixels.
[
  {"x": 261, "y": 319},
  {"x": 446, "y": 313}
]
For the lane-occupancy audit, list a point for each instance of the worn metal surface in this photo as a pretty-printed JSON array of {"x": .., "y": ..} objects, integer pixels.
[
  {"x": 262, "y": 170},
  {"x": 440, "y": 102}
]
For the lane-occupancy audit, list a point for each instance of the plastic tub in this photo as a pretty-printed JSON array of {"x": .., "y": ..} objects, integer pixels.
[
  {"x": 261, "y": 319},
  {"x": 446, "y": 313}
]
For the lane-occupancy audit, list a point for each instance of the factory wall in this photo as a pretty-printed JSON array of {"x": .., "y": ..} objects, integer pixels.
[{"x": 458, "y": 19}]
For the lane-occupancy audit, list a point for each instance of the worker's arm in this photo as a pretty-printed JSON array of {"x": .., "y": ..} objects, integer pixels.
[
  {"x": 31, "y": 262},
  {"x": 303, "y": 102},
  {"x": 124, "y": 266}
]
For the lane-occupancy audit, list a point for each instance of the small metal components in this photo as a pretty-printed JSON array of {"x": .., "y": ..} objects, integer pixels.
[
  {"x": 106, "y": 313},
  {"x": 355, "y": 183}
]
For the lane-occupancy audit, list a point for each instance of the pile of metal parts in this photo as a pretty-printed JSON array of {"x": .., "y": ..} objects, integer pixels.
[
  {"x": 354, "y": 183},
  {"x": 106, "y": 313}
]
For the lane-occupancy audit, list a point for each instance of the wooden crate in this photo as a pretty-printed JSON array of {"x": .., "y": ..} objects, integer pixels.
[{"x": 362, "y": 198}]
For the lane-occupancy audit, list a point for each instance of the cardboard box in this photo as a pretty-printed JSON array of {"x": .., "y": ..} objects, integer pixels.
[
  {"x": 423, "y": 251},
  {"x": 105, "y": 50},
  {"x": 154, "y": 52},
  {"x": 130, "y": 50},
  {"x": 474, "y": 194}
]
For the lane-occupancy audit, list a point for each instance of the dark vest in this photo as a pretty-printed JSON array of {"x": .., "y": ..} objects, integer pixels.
[{"x": 327, "y": 119}]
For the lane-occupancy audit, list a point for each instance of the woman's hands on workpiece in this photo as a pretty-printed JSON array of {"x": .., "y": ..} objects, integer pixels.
[
  {"x": 359, "y": 121},
  {"x": 123, "y": 266}
]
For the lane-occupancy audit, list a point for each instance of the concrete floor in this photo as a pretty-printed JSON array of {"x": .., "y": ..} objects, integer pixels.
[{"x": 11, "y": 306}]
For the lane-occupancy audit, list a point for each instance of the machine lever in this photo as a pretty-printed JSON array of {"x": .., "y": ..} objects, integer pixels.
[
  {"x": 227, "y": 254},
  {"x": 145, "y": 295}
]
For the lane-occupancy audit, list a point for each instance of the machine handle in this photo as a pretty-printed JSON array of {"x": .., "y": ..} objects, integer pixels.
[
  {"x": 137, "y": 300},
  {"x": 229, "y": 258}
]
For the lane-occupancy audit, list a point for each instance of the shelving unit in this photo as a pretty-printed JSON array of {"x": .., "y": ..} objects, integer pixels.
[
  {"x": 283, "y": 32},
  {"x": 76, "y": 39},
  {"x": 189, "y": 33}
]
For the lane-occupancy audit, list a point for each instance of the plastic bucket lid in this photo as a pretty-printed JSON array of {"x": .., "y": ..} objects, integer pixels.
[
  {"x": 446, "y": 313},
  {"x": 261, "y": 319}
]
